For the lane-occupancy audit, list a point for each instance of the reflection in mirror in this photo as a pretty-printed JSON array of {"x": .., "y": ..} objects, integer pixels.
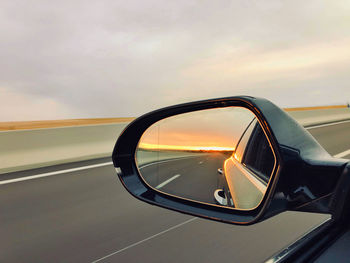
[{"x": 217, "y": 156}]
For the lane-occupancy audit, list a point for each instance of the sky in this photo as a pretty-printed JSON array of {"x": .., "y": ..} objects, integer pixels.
[{"x": 111, "y": 58}]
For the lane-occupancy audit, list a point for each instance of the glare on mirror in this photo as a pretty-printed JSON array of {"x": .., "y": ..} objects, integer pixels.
[{"x": 216, "y": 156}]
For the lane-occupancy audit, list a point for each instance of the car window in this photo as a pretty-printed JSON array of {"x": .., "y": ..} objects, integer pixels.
[
  {"x": 244, "y": 140},
  {"x": 258, "y": 155}
]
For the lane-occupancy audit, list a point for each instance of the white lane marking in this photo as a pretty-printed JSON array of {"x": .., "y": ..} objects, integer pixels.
[
  {"x": 54, "y": 173},
  {"x": 168, "y": 181},
  {"x": 144, "y": 240},
  {"x": 108, "y": 163},
  {"x": 340, "y": 155},
  {"x": 70, "y": 170},
  {"x": 328, "y": 124},
  {"x": 200, "y": 162}
]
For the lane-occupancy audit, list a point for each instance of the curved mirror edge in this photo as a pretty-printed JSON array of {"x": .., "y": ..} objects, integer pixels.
[{"x": 220, "y": 157}]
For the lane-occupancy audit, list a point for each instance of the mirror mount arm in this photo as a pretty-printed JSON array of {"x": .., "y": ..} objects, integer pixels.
[
  {"x": 309, "y": 185},
  {"x": 328, "y": 195},
  {"x": 340, "y": 200}
]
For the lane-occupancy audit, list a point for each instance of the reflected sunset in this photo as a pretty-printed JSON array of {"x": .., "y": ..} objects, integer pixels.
[{"x": 206, "y": 130}]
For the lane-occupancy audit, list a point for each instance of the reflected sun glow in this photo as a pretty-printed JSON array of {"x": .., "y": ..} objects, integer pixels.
[{"x": 149, "y": 146}]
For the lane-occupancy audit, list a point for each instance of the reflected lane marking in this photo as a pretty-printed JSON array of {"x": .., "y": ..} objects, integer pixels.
[
  {"x": 341, "y": 155},
  {"x": 166, "y": 161},
  {"x": 167, "y": 181},
  {"x": 144, "y": 240}
]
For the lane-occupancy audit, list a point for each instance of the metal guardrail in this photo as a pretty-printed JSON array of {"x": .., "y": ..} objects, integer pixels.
[{"x": 23, "y": 148}]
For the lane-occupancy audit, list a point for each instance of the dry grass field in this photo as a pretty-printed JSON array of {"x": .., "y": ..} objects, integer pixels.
[
  {"x": 28, "y": 125},
  {"x": 316, "y": 108}
]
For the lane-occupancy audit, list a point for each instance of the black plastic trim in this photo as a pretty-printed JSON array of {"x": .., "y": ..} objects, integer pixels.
[
  {"x": 304, "y": 179},
  {"x": 124, "y": 152}
]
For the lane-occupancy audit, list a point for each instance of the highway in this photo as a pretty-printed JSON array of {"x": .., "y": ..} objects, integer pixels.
[{"x": 85, "y": 215}]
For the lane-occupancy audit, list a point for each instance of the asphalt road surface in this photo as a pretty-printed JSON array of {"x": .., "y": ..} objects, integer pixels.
[{"x": 87, "y": 216}]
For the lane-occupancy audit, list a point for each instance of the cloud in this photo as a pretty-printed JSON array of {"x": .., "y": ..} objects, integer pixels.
[
  {"x": 19, "y": 107},
  {"x": 122, "y": 58}
]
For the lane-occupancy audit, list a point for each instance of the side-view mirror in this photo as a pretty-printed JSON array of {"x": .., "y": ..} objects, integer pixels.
[{"x": 238, "y": 160}]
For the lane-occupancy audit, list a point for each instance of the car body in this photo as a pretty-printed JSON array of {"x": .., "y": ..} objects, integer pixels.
[
  {"x": 301, "y": 176},
  {"x": 247, "y": 172}
]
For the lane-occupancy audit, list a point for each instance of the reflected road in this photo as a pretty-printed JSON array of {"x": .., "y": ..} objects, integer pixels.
[{"x": 194, "y": 177}]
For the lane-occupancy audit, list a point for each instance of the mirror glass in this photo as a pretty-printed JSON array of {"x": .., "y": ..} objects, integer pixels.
[{"x": 217, "y": 156}]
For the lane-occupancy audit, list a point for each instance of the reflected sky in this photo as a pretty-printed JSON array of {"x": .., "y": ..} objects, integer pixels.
[{"x": 213, "y": 129}]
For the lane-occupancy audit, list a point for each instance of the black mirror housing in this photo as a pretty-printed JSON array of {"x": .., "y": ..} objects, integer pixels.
[{"x": 304, "y": 179}]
